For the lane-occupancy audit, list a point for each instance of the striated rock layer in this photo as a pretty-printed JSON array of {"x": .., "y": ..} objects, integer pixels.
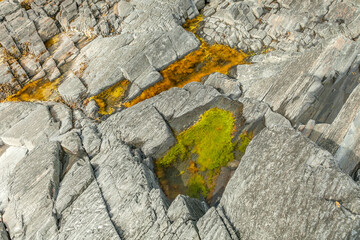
[{"x": 69, "y": 172}]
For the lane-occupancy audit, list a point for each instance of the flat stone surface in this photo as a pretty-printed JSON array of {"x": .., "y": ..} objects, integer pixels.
[
  {"x": 32, "y": 188},
  {"x": 315, "y": 187}
]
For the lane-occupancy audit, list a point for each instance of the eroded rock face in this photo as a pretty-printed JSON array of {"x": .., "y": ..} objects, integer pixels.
[
  {"x": 298, "y": 182},
  {"x": 67, "y": 173}
]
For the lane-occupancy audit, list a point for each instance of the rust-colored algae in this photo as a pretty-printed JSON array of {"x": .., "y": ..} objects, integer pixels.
[
  {"x": 200, "y": 63},
  {"x": 39, "y": 90},
  {"x": 111, "y": 98}
]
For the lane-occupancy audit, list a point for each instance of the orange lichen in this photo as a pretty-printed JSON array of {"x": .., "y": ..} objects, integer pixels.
[
  {"x": 194, "y": 66},
  {"x": 111, "y": 98},
  {"x": 52, "y": 41},
  {"x": 200, "y": 63},
  {"x": 39, "y": 90},
  {"x": 192, "y": 25}
]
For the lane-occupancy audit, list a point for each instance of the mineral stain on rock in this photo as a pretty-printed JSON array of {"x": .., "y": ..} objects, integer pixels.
[
  {"x": 39, "y": 90},
  {"x": 197, "y": 64},
  {"x": 111, "y": 98},
  {"x": 193, "y": 165}
]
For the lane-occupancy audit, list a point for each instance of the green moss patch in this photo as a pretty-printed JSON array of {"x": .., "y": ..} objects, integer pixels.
[{"x": 193, "y": 164}]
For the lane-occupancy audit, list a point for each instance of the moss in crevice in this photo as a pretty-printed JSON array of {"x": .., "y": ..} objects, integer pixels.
[{"x": 192, "y": 165}]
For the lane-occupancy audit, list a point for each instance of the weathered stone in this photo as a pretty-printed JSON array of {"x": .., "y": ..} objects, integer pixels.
[
  {"x": 225, "y": 85},
  {"x": 74, "y": 183},
  {"x": 87, "y": 217},
  {"x": 33, "y": 186},
  {"x": 3, "y": 233},
  {"x": 72, "y": 89},
  {"x": 183, "y": 41},
  {"x": 211, "y": 226},
  {"x": 341, "y": 137},
  {"x": 315, "y": 187},
  {"x": 33, "y": 130},
  {"x": 186, "y": 208},
  {"x": 141, "y": 126},
  {"x": 137, "y": 205},
  {"x": 8, "y": 160},
  {"x": 91, "y": 140}
]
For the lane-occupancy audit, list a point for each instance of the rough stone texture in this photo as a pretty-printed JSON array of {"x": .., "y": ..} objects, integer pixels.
[
  {"x": 225, "y": 85},
  {"x": 8, "y": 161},
  {"x": 103, "y": 186},
  {"x": 32, "y": 188},
  {"x": 76, "y": 180},
  {"x": 87, "y": 217},
  {"x": 71, "y": 89},
  {"x": 33, "y": 130},
  {"x": 3, "y": 233},
  {"x": 298, "y": 183},
  {"x": 341, "y": 137},
  {"x": 211, "y": 226},
  {"x": 141, "y": 126},
  {"x": 323, "y": 79}
]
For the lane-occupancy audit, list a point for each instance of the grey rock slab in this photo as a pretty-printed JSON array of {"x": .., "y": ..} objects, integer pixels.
[
  {"x": 186, "y": 208},
  {"x": 74, "y": 183},
  {"x": 33, "y": 130},
  {"x": 148, "y": 80},
  {"x": 8, "y": 161},
  {"x": 71, "y": 142},
  {"x": 136, "y": 204},
  {"x": 273, "y": 119},
  {"x": 46, "y": 28},
  {"x": 12, "y": 113},
  {"x": 87, "y": 217},
  {"x": 91, "y": 139},
  {"x": 3, "y": 232},
  {"x": 141, "y": 126},
  {"x": 341, "y": 137},
  {"x": 124, "y": 9},
  {"x": 92, "y": 109},
  {"x": 72, "y": 89},
  {"x": 182, "y": 107},
  {"x": 136, "y": 66},
  {"x": 225, "y": 85},
  {"x": 211, "y": 226},
  {"x": 33, "y": 185},
  {"x": 183, "y": 41},
  {"x": 297, "y": 183}
]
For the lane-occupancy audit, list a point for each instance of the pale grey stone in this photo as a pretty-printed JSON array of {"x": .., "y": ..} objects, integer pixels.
[
  {"x": 33, "y": 186},
  {"x": 137, "y": 205},
  {"x": 87, "y": 217},
  {"x": 211, "y": 226},
  {"x": 72, "y": 89},
  {"x": 161, "y": 53},
  {"x": 225, "y": 85},
  {"x": 8, "y": 160},
  {"x": 74, "y": 183},
  {"x": 291, "y": 173},
  {"x": 141, "y": 126},
  {"x": 33, "y": 130}
]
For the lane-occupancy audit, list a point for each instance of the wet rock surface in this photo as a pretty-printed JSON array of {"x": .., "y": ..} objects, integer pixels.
[{"x": 73, "y": 169}]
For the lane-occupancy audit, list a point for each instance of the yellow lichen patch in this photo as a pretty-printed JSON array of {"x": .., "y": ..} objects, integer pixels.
[
  {"x": 39, "y": 90},
  {"x": 193, "y": 24},
  {"x": 26, "y": 4},
  {"x": 197, "y": 64},
  {"x": 111, "y": 98},
  {"x": 52, "y": 41},
  {"x": 200, "y": 63}
]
